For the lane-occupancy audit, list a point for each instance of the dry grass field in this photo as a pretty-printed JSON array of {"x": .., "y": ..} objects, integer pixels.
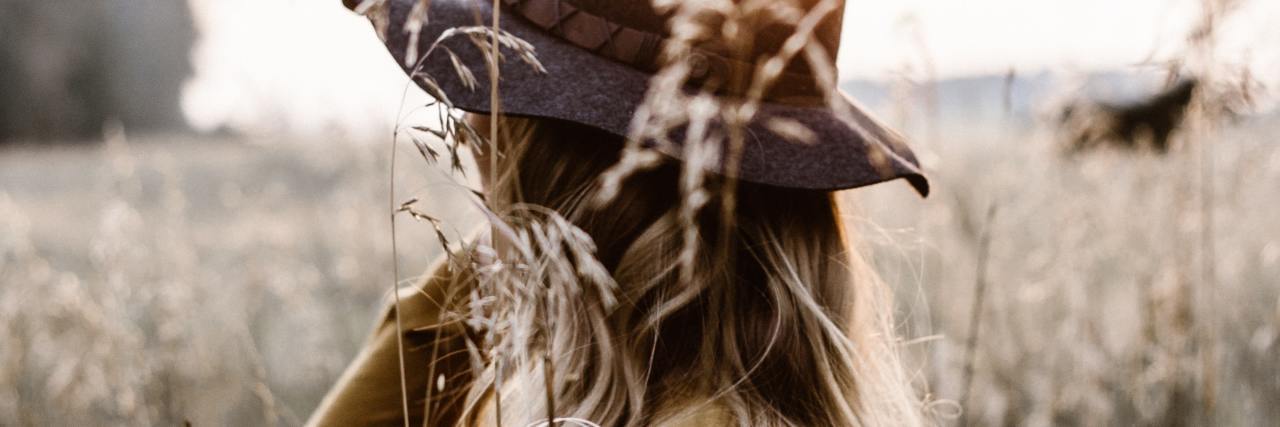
[
  {"x": 172, "y": 278},
  {"x": 161, "y": 278},
  {"x": 1107, "y": 301},
  {"x": 228, "y": 279}
]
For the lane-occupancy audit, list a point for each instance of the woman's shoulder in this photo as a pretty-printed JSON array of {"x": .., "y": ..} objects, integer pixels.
[{"x": 426, "y": 303}]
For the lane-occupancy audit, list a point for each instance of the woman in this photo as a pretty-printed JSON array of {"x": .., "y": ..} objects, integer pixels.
[{"x": 623, "y": 301}]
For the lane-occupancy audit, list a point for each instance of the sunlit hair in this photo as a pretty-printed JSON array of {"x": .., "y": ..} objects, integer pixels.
[{"x": 782, "y": 324}]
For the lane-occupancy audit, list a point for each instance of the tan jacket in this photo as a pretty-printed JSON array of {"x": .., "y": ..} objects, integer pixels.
[{"x": 368, "y": 393}]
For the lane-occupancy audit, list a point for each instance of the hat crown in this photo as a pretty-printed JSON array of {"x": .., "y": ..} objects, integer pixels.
[{"x": 760, "y": 35}]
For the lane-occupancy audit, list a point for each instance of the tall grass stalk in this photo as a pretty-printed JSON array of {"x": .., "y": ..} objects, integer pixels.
[{"x": 977, "y": 309}]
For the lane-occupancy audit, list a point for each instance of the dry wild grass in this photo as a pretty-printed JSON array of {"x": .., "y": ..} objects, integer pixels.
[
  {"x": 160, "y": 287},
  {"x": 1096, "y": 309},
  {"x": 1121, "y": 288},
  {"x": 160, "y": 278}
]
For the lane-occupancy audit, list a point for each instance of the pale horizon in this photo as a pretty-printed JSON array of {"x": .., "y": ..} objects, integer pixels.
[{"x": 324, "y": 68}]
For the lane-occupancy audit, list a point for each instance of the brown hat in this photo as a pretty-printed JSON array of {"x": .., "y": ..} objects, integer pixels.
[{"x": 599, "y": 56}]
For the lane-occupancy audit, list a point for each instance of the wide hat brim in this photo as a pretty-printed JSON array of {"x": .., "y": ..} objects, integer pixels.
[{"x": 584, "y": 88}]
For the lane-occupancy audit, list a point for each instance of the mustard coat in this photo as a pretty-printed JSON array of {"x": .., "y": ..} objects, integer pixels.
[{"x": 368, "y": 393}]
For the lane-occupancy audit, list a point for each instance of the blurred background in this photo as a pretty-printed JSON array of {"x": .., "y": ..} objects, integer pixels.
[{"x": 194, "y": 206}]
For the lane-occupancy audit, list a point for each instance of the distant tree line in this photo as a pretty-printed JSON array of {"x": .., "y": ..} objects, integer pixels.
[{"x": 68, "y": 66}]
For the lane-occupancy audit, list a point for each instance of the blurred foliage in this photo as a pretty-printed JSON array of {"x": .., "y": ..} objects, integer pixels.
[{"x": 69, "y": 66}]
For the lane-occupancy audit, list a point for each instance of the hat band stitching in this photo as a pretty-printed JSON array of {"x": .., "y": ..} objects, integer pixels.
[{"x": 554, "y": 16}]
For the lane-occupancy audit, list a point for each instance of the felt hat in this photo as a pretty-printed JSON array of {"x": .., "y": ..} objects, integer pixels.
[{"x": 599, "y": 57}]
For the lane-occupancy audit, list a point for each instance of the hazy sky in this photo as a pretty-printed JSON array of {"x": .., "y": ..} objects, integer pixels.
[
  {"x": 310, "y": 66},
  {"x": 965, "y": 37}
]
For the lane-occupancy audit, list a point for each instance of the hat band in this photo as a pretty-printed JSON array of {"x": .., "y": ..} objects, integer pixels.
[{"x": 642, "y": 49}]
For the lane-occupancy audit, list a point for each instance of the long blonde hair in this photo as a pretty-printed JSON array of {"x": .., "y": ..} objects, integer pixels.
[{"x": 782, "y": 323}]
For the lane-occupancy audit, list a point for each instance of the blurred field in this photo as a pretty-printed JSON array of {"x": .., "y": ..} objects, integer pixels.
[
  {"x": 162, "y": 278},
  {"x": 208, "y": 279},
  {"x": 1098, "y": 308}
]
